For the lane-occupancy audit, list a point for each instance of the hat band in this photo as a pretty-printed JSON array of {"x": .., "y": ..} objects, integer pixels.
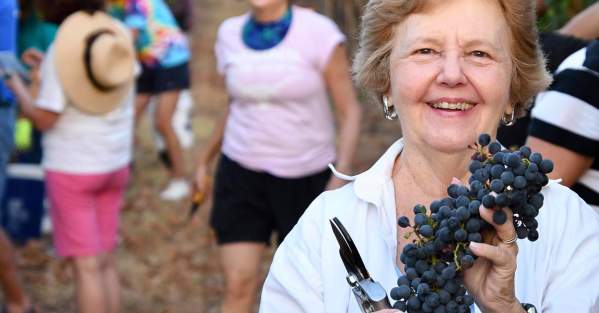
[{"x": 87, "y": 56}]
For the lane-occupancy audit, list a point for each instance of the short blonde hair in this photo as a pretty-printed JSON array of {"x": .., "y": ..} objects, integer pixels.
[{"x": 372, "y": 65}]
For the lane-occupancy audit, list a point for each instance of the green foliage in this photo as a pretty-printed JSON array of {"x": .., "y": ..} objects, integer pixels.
[{"x": 558, "y": 12}]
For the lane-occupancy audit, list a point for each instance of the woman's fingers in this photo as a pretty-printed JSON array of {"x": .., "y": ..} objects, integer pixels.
[{"x": 497, "y": 255}]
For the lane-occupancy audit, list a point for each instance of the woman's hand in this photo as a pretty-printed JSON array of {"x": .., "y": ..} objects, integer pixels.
[
  {"x": 32, "y": 57},
  {"x": 201, "y": 182},
  {"x": 491, "y": 279}
]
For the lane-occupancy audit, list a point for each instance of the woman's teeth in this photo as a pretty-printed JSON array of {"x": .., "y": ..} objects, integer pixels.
[{"x": 462, "y": 106}]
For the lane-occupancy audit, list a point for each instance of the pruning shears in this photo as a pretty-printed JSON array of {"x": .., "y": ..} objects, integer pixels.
[{"x": 370, "y": 294}]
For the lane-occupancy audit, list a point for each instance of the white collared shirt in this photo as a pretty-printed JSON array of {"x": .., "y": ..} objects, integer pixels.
[{"x": 557, "y": 273}]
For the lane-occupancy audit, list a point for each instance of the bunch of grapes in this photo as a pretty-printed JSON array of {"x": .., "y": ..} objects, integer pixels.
[{"x": 436, "y": 259}]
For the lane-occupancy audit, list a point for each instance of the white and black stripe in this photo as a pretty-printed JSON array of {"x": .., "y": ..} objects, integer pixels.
[{"x": 567, "y": 114}]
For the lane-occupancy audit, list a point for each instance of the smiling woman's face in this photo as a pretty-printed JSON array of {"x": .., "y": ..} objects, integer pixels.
[{"x": 450, "y": 73}]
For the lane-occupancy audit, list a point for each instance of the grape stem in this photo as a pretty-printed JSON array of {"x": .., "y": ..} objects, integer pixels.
[{"x": 456, "y": 259}]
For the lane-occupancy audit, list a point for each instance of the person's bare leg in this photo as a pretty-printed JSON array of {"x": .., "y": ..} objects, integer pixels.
[
  {"x": 112, "y": 286},
  {"x": 90, "y": 286},
  {"x": 16, "y": 301},
  {"x": 241, "y": 266},
  {"x": 163, "y": 117},
  {"x": 141, "y": 103}
]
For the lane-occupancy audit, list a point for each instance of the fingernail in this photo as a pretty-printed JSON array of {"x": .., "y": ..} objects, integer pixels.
[
  {"x": 474, "y": 245},
  {"x": 455, "y": 180}
]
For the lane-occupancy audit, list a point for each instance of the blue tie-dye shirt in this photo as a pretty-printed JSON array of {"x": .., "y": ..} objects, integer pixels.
[{"x": 160, "y": 41}]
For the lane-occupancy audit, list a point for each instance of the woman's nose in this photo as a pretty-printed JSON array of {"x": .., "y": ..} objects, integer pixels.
[{"x": 451, "y": 73}]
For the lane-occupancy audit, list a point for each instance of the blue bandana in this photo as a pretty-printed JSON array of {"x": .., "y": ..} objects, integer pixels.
[{"x": 262, "y": 36}]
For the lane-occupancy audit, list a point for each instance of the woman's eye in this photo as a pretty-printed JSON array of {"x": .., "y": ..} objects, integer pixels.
[
  {"x": 425, "y": 51},
  {"x": 479, "y": 54}
]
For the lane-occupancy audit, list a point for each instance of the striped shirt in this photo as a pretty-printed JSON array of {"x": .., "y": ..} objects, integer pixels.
[{"x": 567, "y": 115}]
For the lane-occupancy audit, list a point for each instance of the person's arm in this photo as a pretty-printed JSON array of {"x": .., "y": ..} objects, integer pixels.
[
  {"x": 584, "y": 25},
  {"x": 568, "y": 165},
  {"x": 210, "y": 150},
  {"x": 42, "y": 119},
  {"x": 347, "y": 110}
]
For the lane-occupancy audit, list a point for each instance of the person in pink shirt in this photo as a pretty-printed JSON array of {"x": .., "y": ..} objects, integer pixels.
[{"x": 280, "y": 64}]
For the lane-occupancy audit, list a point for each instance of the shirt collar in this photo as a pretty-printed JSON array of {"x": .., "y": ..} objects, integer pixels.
[{"x": 368, "y": 185}]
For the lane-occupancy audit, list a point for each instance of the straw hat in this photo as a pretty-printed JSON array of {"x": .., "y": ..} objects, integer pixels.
[{"x": 95, "y": 59}]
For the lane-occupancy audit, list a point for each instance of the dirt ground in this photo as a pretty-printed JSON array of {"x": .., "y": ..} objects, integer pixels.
[{"x": 167, "y": 265}]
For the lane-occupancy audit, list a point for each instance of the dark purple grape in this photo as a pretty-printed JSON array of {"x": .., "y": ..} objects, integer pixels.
[
  {"x": 420, "y": 219},
  {"x": 403, "y": 222},
  {"x": 460, "y": 235},
  {"x": 513, "y": 160},
  {"x": 494, "y": 147},
  {"x": 467, "y": 261},
  {"x": 473, "y": 225},
  {"x": 403, "y": 280},
  {"x": 432, "y": 300},
  {"x": 536, "y": 157},
  {"x": 546, "y": 166},
  {"x": 400, "y": 305},
  {"x": 507, "y": 177},
  {"x": 426, "y": 231},
  {"x": 488, "y": 201},
  {"x": 521, "y": 232},
  {"x": 462, "y": 213},
  {"x": 414, "y": 303},
  {"x": 497, "y": 185},
  {"x": 400, "y": 292},
  {"x": 448, "y": 272},
  {"x": 476, "y": 237},
  {"x": 474, "y": 165},
  {"x": 520, "y": 182},
  {"x": 473, "y": 207},
  {"x": 499, "y": 217},
  {"x": 453, "y": 190},
  {"x": 502, "y": 200},
  {"x": 533, "y": 235},
  {"x": 496, "y": 170},
  {"x": 484, "y": 139},
  {"x": 435, "y": 205}
]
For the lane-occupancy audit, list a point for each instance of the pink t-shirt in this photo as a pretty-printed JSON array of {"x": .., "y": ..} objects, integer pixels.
[{"x": 280, "y": 118}]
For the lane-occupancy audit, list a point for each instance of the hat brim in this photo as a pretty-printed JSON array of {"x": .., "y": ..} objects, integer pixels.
[{"x": 69, "y": 49}]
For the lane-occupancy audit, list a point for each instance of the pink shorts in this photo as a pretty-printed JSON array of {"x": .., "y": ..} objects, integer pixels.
[{"x": 85, "y": 210}]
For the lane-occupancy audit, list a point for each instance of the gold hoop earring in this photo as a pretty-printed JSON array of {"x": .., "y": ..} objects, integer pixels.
[
  {"x": 510, "y": 119},
  {"x": 389, "y": 110}
]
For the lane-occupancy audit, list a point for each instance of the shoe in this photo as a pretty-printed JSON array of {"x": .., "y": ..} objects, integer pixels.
[{"x": 177, "y": 189}]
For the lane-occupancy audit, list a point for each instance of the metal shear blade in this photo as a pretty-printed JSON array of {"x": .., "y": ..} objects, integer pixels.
[{"x": 348, "y": 251}]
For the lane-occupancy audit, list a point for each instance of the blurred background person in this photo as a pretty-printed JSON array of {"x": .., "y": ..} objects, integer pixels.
[
  {"x": 15, "y": 299},
  {"x": 564, "y": 126},
  {"x": 277, "y": 135},
  {"x": 85, "y": 109},
  {"x": 565, "y": 123},
  {"x": 164, "y": 54}
]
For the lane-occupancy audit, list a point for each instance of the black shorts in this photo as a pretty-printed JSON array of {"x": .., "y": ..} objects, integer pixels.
[
  {"x": 154, "y": 80},
  {"x": 249, "y": 205}
]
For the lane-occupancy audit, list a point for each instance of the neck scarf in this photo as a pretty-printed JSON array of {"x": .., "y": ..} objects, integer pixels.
[{"x": 262, "y": 36}]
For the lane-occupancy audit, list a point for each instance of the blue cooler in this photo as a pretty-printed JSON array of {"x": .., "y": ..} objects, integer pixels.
[{"x": 23, "y": 206}]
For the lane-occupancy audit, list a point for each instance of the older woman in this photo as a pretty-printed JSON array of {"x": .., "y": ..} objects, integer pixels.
[{"x": 452, "y": 70}]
